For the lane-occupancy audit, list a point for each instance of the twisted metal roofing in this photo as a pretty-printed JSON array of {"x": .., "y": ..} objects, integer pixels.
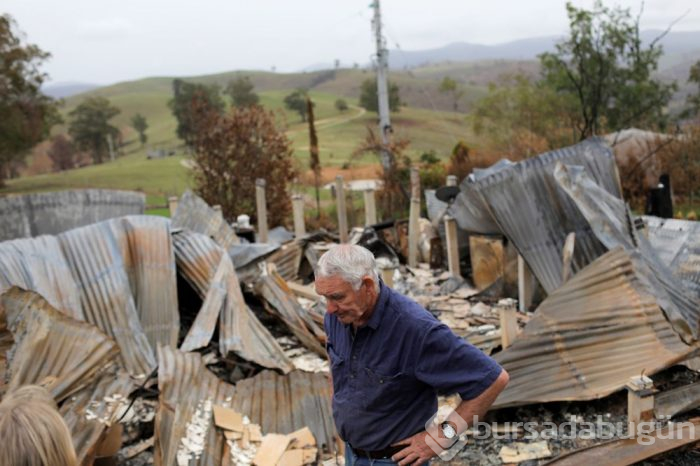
[
  {"x": 49, "y": 347},
  {"x": 187, "y": 393},
  {"x": 209, "y": 269},
  {"x": 194, "y": 214},
  {"x": 285, "y": 403},
  {"x": 590, "y": 336}
]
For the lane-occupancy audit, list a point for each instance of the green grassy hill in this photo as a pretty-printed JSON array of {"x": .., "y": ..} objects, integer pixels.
[{"x": 425, "y": 121}]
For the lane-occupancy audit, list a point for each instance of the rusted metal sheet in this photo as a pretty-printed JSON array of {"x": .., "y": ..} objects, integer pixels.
[
  {"x": 677, "y": 243},
  {"x": 590, "y": 336},
  {"x": 38, "y": 264},
  {"x": 285, "y": 403},
  {"x": 287, "y": 260},
  {"x": 99, "y": 257},
  {"x": 612, "y": 223},
  {"x": 94, "y": 408},
  {"x": 676, "y": 401},
  {"x": 209, "y": 269},
  {"x": 29, "y": 215},
  {"x": 282, "y": 302},
  {"x": 633, "y": 450},
  {"x": 534, "y": 213},
  {"x": 49, "y": 347},
  {"x": 184, "y": 425},
  {"x": 194, "y": 214}
]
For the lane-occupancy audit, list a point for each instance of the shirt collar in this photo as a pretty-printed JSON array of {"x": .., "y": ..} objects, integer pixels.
[{"x": 378, "y": 313}]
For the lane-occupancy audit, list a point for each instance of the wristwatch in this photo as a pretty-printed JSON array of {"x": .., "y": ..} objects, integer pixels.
[{"x": 448, "y": 430}]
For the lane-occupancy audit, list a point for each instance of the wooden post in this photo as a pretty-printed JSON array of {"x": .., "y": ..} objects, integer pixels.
[
  {"x": 525, "y": 285},
  {"x": 509, "y": 325},
  {"x": 342, "y": 212},
  {"x": 640, "y": 401},
  {"x": 451, "y": 180},
  {"x": 567, "y": 256},
  {"x": 413, "y": 218},
  {"x": 370, "y": 207},
  {"x": 298, "y": 208},
  {"x": 261, "y": 205},
  {"x": 452, "y": 246},
  {"x": 172, "y": 205},
  {"x": 387, "y": 275}
]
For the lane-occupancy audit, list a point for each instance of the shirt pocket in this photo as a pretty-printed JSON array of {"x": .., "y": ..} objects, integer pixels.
[
  {"x": 338, "y": 372},
  {"x": 385, "y": 392}
]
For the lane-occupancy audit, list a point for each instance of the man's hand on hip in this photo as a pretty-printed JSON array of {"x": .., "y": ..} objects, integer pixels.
[{"x": 416, "y": 451}]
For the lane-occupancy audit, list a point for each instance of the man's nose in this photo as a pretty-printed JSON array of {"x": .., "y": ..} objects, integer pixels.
[{"x": 331, "y": 307}]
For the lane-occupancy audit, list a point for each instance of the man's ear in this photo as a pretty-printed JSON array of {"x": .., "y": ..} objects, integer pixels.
[{"x": 368, "y": 282}]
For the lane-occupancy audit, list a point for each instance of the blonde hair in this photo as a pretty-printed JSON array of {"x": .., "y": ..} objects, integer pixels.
[{"x": 32, "y": 432}]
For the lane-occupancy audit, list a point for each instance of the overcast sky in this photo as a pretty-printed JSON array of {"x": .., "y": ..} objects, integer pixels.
[{"x": 106, "y": 41}]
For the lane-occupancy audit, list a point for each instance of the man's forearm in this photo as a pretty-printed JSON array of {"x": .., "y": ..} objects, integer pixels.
[{"x": 463, "y": 415}]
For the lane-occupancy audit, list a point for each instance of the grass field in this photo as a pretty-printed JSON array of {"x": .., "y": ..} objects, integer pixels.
[{"x": 339, "y": 133}]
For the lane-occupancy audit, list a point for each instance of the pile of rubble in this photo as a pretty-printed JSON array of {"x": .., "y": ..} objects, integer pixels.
[{"x": 178, "y": 342}]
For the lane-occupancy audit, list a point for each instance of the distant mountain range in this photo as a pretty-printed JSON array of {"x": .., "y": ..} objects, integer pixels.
[
  {"x": 674, "y": 43},
  {"x": 66, "y": 89}
]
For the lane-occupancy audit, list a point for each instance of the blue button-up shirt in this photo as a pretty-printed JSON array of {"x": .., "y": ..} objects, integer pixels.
[{"x": 387, "y": 376}]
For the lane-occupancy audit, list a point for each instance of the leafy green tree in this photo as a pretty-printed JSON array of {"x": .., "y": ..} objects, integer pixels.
[
  {"x": 451, "y": 87},
  {"x": 139, "y": 123},
  {"x": 296, "y": 101},
  {"x": 604, "y": 65},
  {"x": 187, "y": 96},
  {"x": 90, "y": 128},
  {"x": 694, "y": 99},
  {"x": 370, "y": 101},
  {"x": 524, "y": 118},
  {"x": 241, "y": 92},
  {"x": 26, "y": 115},
  {"x": 341, "y": 105}
]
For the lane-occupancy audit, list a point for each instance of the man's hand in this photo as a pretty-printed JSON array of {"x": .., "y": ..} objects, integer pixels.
[{"x": 416, "y": 451}]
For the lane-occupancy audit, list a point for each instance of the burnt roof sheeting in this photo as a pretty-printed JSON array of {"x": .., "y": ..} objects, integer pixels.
[
  {"x": 611, "y": 221},
  {"x": 287, "y": 260},
  {"x": 199, "y": 260},
  {"x": 194, "y": 214},
  {"x": 50, "y": 347},
  {"x": 149, "y": 261},
  {"x": 471, "y": 212},
  {"x": 38, "y": 264},
  {"x": 677, "y": 243},
  {"x": 90, "y": 411},
  {"x": 589, "y": 337},
  {"x": 286, "y": 403},
  {"x": 53, "y": 213},
  {"x": 283, "y": 303},
  {"x": 634, "y": 450},
  {"x": 98, "y": 256},
  {"x": 187, "y": 393},
  {"x": 537, "y": 215}
]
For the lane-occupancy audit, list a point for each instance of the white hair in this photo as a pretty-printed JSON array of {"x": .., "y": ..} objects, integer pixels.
[{"x": 350, "y": 262}]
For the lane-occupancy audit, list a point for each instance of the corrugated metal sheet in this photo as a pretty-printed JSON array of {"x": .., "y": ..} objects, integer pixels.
[
  {"x": 31, "y": 215},
  {"x": 194, "y": 214},
  {"x": 471, "y": 212},
  {"x": 677, "y": 244},
  {"x": 199, "y": 259},
  {"x": 90, "y": 411},
  {"x": 49, "y": 347},
  {"x": 99, "y": 256},
  {"x": 679, "y": 400},
  {"x": 612, "y": 223},
  {"x": 283, "y": 404},
  {"x": 187, "y": 392},
  {"x": 287, "y": 260},
  {"x": 590, "y": 336},
  {"x": 282, "y": 302},
  {"x": 536, "y": 214},
  {"x": 634, "y": 450},
  {"x": 38, "y": 264}
]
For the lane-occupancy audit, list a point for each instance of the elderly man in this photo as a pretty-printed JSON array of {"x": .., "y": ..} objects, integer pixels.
[{"x": 389, "y": 360}]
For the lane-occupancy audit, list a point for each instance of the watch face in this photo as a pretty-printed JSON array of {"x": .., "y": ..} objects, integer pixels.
[{"x": 448, "y": 431}]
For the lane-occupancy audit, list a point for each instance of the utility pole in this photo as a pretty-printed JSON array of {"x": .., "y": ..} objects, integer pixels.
[{"x": 382, "y": 91}]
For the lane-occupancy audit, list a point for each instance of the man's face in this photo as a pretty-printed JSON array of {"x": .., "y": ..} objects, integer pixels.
[{"x": 349, "y": 306}]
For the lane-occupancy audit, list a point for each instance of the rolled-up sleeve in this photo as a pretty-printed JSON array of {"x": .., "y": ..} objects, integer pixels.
[{"x": 451, "y": 365}]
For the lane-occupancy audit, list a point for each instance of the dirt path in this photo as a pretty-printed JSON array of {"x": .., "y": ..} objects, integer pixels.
[{"x": 330, "y": 122}]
